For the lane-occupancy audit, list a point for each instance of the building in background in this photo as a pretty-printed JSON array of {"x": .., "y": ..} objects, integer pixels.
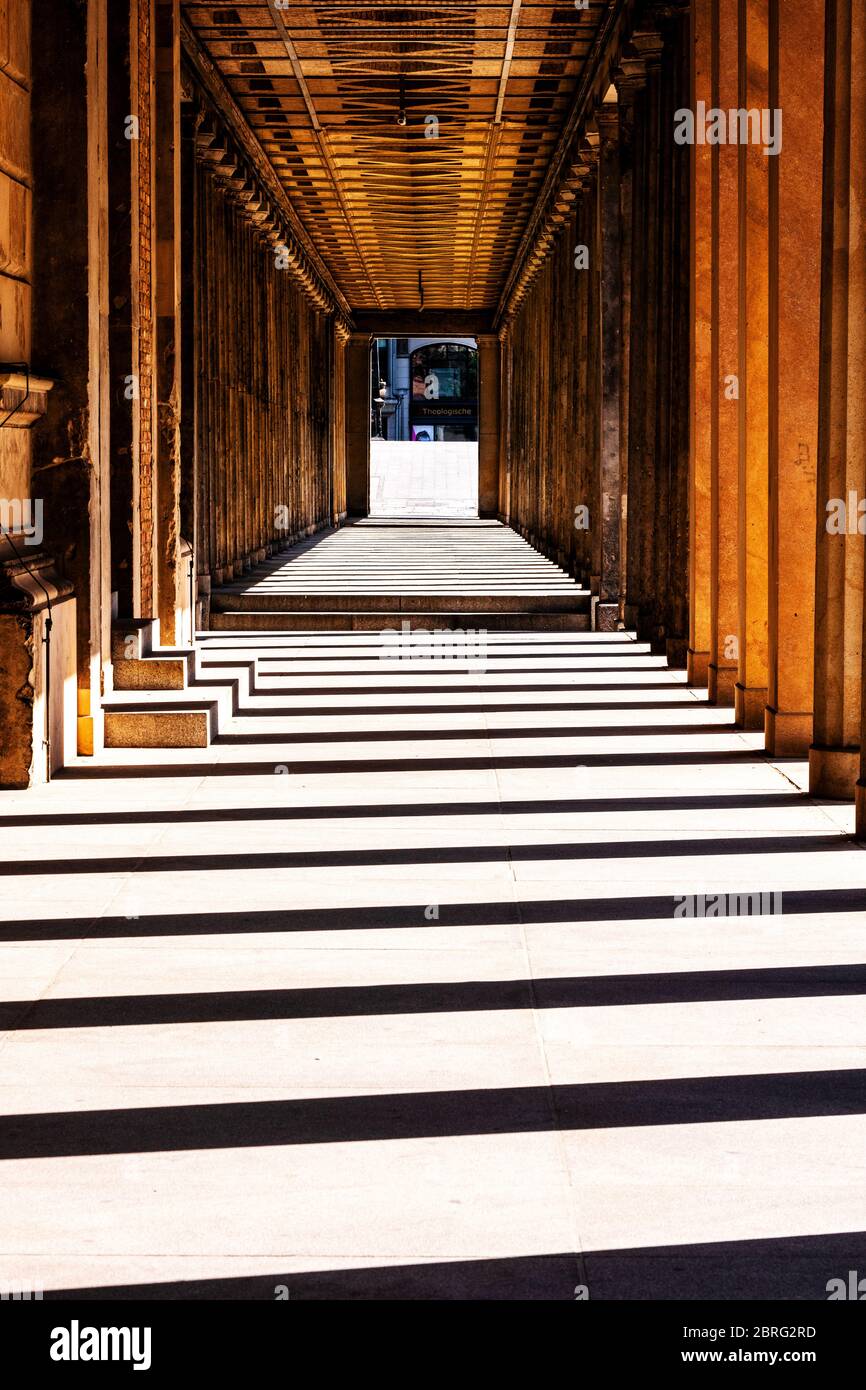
[{"x": 431, "y": 389}]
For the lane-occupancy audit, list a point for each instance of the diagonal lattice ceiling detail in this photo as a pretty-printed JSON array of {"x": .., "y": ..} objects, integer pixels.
[{"x": 431, "y": 209}]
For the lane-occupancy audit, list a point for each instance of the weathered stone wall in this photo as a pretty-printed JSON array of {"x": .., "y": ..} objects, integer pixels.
[{"x": 262, "y": 380}]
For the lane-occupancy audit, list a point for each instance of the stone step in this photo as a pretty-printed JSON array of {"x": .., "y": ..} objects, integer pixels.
[
  {"x": 544, "y": 599},
  {"x": 158, "y": 726},
  {"x": 295, "y": 620},
  {"x": 131, "y": 639},
  {"x": 156, "y": 672},
  {"x": 187, "y": 718}
]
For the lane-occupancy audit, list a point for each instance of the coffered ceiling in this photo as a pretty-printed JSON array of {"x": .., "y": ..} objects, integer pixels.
[{"x": 411, "y": 138}]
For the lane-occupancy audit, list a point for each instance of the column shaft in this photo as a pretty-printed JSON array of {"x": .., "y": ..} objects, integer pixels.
[
  {"x": 727, "y": 385},
  {"x": 703, "y": 384},
  {"x": 834, "y": 758},
  {"x": 795, "y": 285},
  {"x": 606, "y": 610}
]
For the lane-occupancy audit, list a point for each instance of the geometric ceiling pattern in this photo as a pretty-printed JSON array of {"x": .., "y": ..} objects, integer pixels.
[{"x": 411, "y": 138}]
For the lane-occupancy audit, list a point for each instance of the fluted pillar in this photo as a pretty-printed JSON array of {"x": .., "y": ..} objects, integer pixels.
[
  {"x": 488, "y": 431},
  {"x": 834, "y": 758},
  {"x": 795, "y": 277},
  {"x": 750, "y": 695},
  {"x": 171, "y": 585},
  {"x": 606, "y": 611},
  {"x": 703, "y": 288},
  {"x": 640, "y": 610},
  {"x": 358, "y": 424},
  {"x": 724, "y": 483}
]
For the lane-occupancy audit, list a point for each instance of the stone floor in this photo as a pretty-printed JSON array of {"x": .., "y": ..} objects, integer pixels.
[
  {"x": 385, "y": 994},
  {"x": 473, "y": 558},
  {"x": 423, "y": 479}
]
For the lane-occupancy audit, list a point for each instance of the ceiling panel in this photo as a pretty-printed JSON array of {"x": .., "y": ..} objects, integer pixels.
[{"x": 411, "y": 138}]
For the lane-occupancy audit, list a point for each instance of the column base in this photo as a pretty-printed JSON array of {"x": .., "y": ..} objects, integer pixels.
[
  {"x": 787, "y": 735},
  {"x": 606, "y": 617},
  {"x": 860, "y": 807},
  {"x": 720, "y": 685},
  {"x": 750, "y": 701},
  {"x": 698, "y": 667},
  {"x": 833, "y": 772},
  {"x": 630, "y": 613},
  {"x": 676, "y": 650}
]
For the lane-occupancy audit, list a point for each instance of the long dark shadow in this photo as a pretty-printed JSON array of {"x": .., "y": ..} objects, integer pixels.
[
  {"x": 454, "y": 915},
  {"x": 784, "y": 1268},
  {"x": 386, "y": 684},
  {"x": 434, "y": 1114},
  {"x": 591, "y": 851},
  {"x": 469, "y": 996},
  {"x": 482, "y": 707},
  {"x": 481, "y": 763},
  {"x": 736, "y": 801},
  {"x": 548, "y": 732}
]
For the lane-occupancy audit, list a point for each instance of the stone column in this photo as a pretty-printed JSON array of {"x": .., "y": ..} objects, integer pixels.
[
  {"x": 505, "y": 407},
  {"x": 358, "y": 424},
  {"x": 643, "y": 429},
  {"x": 488, "y": 432},
  {"x": 726, "y": 382},
  {"x": 703, "y": 377},
  {"x": 750, "y": 695},
  {"x": 606, "y": 610},
  {"x": 674, "y": 433},
  {"x": 125, "y": 522},
  {"x": 632, "y": 95},
  {"x": 628, "y": 80},
  {"x": 70, "y": 324},
  {"x": 795, "y": 270},
  {"x": 171, "y": 589},
  {"x": 834, "y": 758}
]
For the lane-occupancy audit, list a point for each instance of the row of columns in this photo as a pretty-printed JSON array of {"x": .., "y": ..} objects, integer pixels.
[
  {"x": 779, "y": 333},
  {"x": 182, "y": 351},
  {"x": 697, "y": 397},
  {"x": 594, "y": 467}
]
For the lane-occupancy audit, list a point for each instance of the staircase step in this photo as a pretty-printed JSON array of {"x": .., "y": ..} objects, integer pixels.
[
  {"x": 294, "y": 620},
  {"x": 152, "y": 727},
  {"x": 543, "y": 600},
  {"x": 187, "y": 718},
  {"x": 152, "y": 673},
  {"x": 131, "y": 639}
]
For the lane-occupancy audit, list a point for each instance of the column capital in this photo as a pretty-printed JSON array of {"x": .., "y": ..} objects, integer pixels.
[
  {"x": 629, "y": 76},
  {"x": 650, "y": 46}
]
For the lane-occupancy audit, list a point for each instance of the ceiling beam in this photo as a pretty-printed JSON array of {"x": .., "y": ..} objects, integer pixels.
[{"x": 422, "y": 323}]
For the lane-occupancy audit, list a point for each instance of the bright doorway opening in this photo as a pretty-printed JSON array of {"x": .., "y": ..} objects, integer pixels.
[{"x": 424, "y": 427}]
